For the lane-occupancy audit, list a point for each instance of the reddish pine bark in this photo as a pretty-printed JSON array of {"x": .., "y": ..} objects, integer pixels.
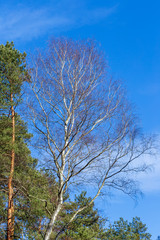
[
  {"x": 40, "y": 226},
  {"x": 10, "y": 219}
]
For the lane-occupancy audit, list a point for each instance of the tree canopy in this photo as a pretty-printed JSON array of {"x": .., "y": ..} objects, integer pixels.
[
  {"x": 85, "y": 125},
  {"x": 122, "y": 229},
  {"x": 13, "y": 73},
  {"x": 87, "y": 135}
]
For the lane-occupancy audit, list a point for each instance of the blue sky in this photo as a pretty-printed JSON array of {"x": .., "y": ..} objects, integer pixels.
[{"x": 129, "y": 33}]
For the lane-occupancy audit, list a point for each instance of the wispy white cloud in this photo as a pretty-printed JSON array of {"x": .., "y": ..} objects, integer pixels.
[
  {"x": 28, "y": 23},
  {"x": 24, "y": 22},
  {"x": 150, "y": 181}
]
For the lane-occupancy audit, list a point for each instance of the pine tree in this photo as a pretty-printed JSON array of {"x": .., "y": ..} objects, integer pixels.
[
  {"x": 122, "y": 229},
  {"x": 34, "y": 190},
  {"x": 27, "y": 188},
  {"x": 12, "y": 74}
]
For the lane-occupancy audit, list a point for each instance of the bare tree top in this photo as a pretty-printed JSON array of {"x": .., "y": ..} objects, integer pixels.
[
  {"x": 85, "y": 124},
  {"x": 80, "y": 113}
]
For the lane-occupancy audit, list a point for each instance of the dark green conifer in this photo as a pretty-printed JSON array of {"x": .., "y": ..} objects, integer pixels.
[
  {"x": 12, "y": 74},
  {"x": 88, "y": 224},
  {"x": 125, "y": 230}
]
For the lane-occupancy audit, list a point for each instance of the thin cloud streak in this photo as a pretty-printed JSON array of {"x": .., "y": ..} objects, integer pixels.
[
  {"x": 26, "y": 24},
  {"x": 150, "y": 181},
  {"x": 22, "y": 22}
]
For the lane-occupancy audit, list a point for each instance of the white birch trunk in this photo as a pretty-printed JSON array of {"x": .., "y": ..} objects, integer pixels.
[{"x": 52, "y": 222}]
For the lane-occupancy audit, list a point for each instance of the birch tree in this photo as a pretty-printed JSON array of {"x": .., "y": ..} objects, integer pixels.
[{"x": 85, "y": 126}]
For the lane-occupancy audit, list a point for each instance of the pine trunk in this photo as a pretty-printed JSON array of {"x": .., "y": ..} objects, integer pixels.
[
  {"x": 40, "y": 226},
  {"x": 10, "y": 219}
]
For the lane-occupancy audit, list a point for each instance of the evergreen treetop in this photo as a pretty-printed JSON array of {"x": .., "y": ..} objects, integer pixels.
[{"x": 12, "y": 73}]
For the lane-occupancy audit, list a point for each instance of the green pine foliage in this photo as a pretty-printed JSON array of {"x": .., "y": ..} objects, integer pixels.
[
  {"x": 88, "y": 225},
  {"x": 41, "y": 201},
  {"x": 125, "y": 230},
  {"x": 23, "y": 162},
  {"x": 12, "y": 74},
  {"x": 34, "y": 190}
]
